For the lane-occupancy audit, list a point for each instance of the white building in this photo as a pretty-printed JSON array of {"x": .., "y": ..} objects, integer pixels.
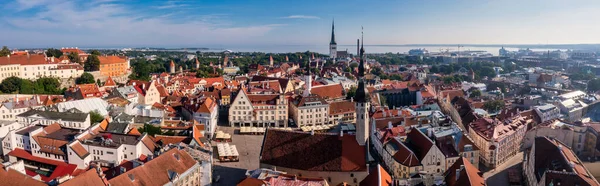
[
  {"x": 71, "y": 119},
  {"x": 33, "y": 66},
  {"x": 108, "y": 149},
  {"x": 547, "y": 112},
  {"x": 572, "y": 110},
  {"x": 9, "y": 110}
]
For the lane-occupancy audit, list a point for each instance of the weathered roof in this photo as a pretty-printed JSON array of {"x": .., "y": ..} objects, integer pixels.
[
  {"x": 158, "y": 170},
  {"x": 65, "y": 116},
  {"x": 468, "y": 176},
  {"x": 318, "y": 152},
  {"x": 333, "y": 91}
]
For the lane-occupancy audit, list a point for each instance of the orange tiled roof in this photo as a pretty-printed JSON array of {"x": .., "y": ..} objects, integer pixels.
[
  {"x": 111, "y": 60},
  {"x": 110, "y": 82}
]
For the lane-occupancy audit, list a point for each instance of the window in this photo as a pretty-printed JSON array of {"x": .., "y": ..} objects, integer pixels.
[{"x": 108, "y": 152}]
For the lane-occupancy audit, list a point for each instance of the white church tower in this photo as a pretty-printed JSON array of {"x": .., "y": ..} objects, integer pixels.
[
  {"x": 332, "y": 44},
  {"x": 362, "y": 103}
]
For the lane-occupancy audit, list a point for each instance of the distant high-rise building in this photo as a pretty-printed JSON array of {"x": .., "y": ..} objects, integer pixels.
[
  {"x": 502, "y": 52},
  {"x": 332, "y": 43}
]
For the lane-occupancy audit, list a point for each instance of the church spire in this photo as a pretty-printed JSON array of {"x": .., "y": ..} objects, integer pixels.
[
  {"x": 362, "y": 94},
  {"x": 332, "y": 42}
]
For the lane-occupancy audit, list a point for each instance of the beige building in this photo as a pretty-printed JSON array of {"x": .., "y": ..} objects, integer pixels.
[
  {"x": 259, "y": 110},
  {"x": 309, "y": 111},
  {"x": 147, "y": 92},
  {"x": 498, "y": 139},
  {"x": 342, "y": 111},
  {"x": 33, "y": 66}
]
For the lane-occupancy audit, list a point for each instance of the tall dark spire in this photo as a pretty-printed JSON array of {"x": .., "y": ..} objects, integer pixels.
[
  {"x": 332, "y": 42},
  {"x": 361, "y": 66},
  {"x": 362, "y": 94}
]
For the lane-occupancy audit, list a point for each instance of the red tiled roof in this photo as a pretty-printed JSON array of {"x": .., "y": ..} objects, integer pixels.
[
  {"x": 88, "y": 178},
  {"x": 61, "y": 169},
  {"x": 134, "y": 131},
  {"x": 110, "y": 82},
  {"x": 156, "y": 171},
  {"x": 333, "y": 91},
  {"x": 24, "y": 60},
  {"x": 252, "y": 182},
  {"x": 318, "y": 152},
  {"x": 405, "y": 155},
  {"x": 164, "y": 140},
  {"x": 79, "y": 150},
  {"x": 468, "y": 176},
  {"x": 341, "y": 107},
  {"x": 377, "y": 177},
  {"x": 12, "y": 177},
  {"x": 419, "y": 143}
]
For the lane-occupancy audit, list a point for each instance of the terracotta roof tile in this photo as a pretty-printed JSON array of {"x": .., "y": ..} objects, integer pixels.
[
  {"x": 469, "y": 176},
  {"x": 156, "y": 171},
  {"x": 341, "y": 107},
  {"x": 318, "y": 152},
  {"x": 111, "y": 59},
  {"x": 79, "y": 150},
  {"x": 333, "y": 91},
  {"x": 12, "y": 177}
]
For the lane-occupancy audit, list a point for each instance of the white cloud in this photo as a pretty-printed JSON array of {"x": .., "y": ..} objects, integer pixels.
[
  {"x": 300, "y": 17},
  {"x": 108, "y": 24}
]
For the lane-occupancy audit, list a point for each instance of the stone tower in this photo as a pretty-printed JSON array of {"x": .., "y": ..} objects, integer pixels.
[
  {"x": 172, "y": 67},
  {"x": 332, "y": 43}
]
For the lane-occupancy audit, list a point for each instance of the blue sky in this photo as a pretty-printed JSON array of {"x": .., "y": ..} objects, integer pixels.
[{"x": 187, "y": 23}]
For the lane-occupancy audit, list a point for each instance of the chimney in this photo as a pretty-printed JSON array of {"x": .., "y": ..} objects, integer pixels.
[
  {"x": 457, "y": 173},
  {"x": 312, "y": 132},
  {"x": 341, "y": 133},
  {"x": 144, "y": 86},
  {"x": 390, "y": 126}
]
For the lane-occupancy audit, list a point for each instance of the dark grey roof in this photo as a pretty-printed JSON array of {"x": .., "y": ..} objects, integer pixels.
[
  {"x": 26, "y": 131},
  {"x": 115, "y": 140},
  {"x": 116, "y": 127},
  {"x": 65, "y": 116}
]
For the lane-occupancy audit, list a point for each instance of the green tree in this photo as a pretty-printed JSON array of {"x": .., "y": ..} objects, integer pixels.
[
  {"x": 96, "y": 117},
  {"x": 28, "y": 87},
  {"x": 10, "y": 85},
  {"x": 96, "y": 52},
  {"x": 52, "y": 52},
  {"x": 92, "y": 64},
  {"x": 494, "y": 106},
  {"x": 5, "y": 51},
  {"x": 74, "y": 57},
  {"x": 150, "y": 129},
  {"x": 475, "y": 93},
  {"x": 351, "y": 93},
  {"x": 85, "y": 78},
  {"x": 434, "y": 69},
  {"x": 593, "y": 85}
]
